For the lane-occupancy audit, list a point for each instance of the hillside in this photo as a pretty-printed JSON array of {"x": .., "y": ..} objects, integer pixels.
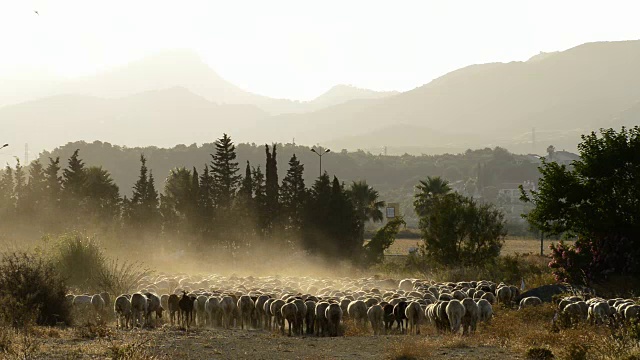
[
  {"x": 580, "y": 89},
  {"x": 161, "y": 118}
]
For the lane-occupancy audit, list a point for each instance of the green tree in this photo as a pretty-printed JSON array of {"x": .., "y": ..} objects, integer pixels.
[
  {"x": 102, "y": 195},
  {"x": 53, "y": 183},
  {"x": 225, "y": 173},
  {"x": 142, "y": 209},
  {"x": 272, "y": 191},
  {"x": 246, "y": 188},
  {"x": 260, "y": 198},
  {"x": 293, "y": 197},
  {"x": 382, "y": 240},
  {"x": 7, "y": 199},
  {"x": 428, "y": 190},
  {"x": 458, "y": 231},
  {"x": 366, "y": 204},
  {"x": 596, "y": 200},
  {"x": 205, "y": 203},
  {"x": 20, "y": 188},
  {"x": 316, "y": 215},
  {"x": 35, "y": 193},
  {"x": 73, "y": 183},
  {"x": 343, "y": 231},
  {"x": 176, "y": 202}
]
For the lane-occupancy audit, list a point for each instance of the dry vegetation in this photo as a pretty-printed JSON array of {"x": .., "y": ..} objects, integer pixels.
[{"x": 512, "y": 246}]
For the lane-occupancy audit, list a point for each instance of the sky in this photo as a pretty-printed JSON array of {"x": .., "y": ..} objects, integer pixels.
[{"x": 298, "y": 49}]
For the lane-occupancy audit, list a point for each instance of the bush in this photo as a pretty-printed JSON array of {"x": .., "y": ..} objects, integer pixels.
[
  {"x": 80, "y": 260},
  {"x": 576, "y": 352},
  {"x": 31, "y": 290},
  {"x": 120, "y": 278},
  {"x": 539, "y": 353}
]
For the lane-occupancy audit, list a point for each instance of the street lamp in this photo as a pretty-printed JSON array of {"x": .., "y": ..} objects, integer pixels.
[{"x": 320, "y": 155}]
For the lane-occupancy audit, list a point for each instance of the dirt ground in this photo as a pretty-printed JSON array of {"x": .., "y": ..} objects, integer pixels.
[{"x": 173, "y": 343}]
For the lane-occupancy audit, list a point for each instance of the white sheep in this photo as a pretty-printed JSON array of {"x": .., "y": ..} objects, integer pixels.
[
  {"x": 485, "y": 310},
  {"x": 413, "y": 312},
  {"x": 503, "y": 295},
  {"x": 289, "y": 313},
  {"x": 455, "y": 311},
  {"x": 376, "y": 317},
  {"x": 357, "y": 311},
  {"x": 471, "y": 316},
  {"x": 213, "y": 309},
  {"x": 530, "y": 301},
  {"x": 321, "y": 325},
  {"x": 310, "y": 319},
  {"x": 228, "y": 306},
  {"x": 153, "y": 307}
]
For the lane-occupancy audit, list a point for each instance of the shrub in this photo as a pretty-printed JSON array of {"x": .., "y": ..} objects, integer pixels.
[
  {"x": 120, "y": 278},
  {"x": 31, "y": 290},
  {"x": 79, "y": 259},
  {"x": 576, "y": 352},
  {"x": 539, "y": 353}
]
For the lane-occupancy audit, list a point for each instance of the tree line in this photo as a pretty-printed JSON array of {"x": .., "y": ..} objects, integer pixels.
[{"x": 220, "y": 205}]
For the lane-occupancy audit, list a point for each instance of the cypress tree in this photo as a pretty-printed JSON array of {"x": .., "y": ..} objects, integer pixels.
[
  {"x": 293, "y": 196},
  {"x": 225, "y": 173},
  {"x": 205, "y": 203},
  {"x": 260, "y": 198},
  {"x": 316, "y": 214},
  {"x": 7, "y": 203},
  {"x": 35, "y": 192},
  {"x": 20, "y": 188},
  {"x": 271, "y": 191},
  {"x": 53, "y": 183},
  {"x": 246, "y": 188}
]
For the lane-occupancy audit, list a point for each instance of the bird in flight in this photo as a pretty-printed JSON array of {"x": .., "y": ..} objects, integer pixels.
[{"x": 37, "y": 13}]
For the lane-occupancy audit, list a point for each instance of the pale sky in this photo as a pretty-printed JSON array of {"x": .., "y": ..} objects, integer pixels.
[{"x": 298, "y": 49}]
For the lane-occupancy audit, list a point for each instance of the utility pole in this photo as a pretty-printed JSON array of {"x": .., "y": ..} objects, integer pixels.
[{"x": 320, "y": 155}]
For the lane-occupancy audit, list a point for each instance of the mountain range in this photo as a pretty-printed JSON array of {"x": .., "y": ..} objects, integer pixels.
[{"x": 175, "y": 97}]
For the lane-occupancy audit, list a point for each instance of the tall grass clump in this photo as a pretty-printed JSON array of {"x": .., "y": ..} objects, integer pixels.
[
  {"x": 118, "y": 277},
  {"x": 32, "y": 290},
  {"x": 79, "y": 260}
]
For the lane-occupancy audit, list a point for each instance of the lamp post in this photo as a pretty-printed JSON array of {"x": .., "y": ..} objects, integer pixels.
[{"x": 320, "y": 155}]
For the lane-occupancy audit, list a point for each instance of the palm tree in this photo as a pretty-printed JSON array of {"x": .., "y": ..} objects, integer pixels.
[
  {"x": 428, "y": 189},
  {"x": 366, "y": 204}
]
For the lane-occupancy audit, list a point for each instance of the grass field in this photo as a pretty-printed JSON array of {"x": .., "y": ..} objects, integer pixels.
[{"x": 511, "y": 246}]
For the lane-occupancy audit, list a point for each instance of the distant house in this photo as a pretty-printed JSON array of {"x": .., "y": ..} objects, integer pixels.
[
  {"x": 561, "y": 157},
  {"x": 509, "y": 193}
]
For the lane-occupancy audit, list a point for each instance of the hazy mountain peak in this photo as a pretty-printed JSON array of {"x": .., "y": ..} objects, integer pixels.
[{"x": 343, "y": 93}]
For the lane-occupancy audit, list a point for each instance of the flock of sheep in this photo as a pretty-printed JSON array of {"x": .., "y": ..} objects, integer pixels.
[
  {"x": 598, "y": 311},
  {"x": 300, "y": 306}
]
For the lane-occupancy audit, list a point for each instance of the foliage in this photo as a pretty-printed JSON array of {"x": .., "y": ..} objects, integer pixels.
[
  {"x": 79, "y": 260},
  {"x": 31, "y": 290},
  {"x": 382, "y": 240},
  {"x": 293, "y": 194},
  {"x": 366, "y": 204},
  {"x": 597, "y": 201},
  {"x": 117, "y": 277},
  {"x": 429, "y": 189},
  {"x": 226, "y": 179},
  {"x": 539, "y": 353},
  {"x": 457, "y": 230}
]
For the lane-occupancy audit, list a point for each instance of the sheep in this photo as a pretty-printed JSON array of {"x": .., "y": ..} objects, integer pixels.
[
  {"x": 153, "y": 306},
  {"x": 489, "y": 297},
  {"x": 632, "y": 313},
  {"x": 301, "y": 314},
  {"x": 413, "y": 313},
  {"x": 122, "y": 309},
  {"x": 228, "y": 305},
  {"x": 471, "y": 316},
  {"x": 267, "y": 313},
  {"x": 199, "y": 309},
  {"x": 376, "y": 317},
  {"x": 289, "y": 313},
  {"x": 530, "y": 301},
  {"x": 455, "y": 311},
  {"x": 503, "y": 295},
  {"x": 99, "y": 305},
  {"x": 139, "y": 307},
  {"x": 174, "y": 308},
  {"x": 276, "y": 306},
  {"x": 259, "y": 310},
  {"x": 398, "y": 313},
  {"x": 212, "y": 309},
  {"x": 321, "y": 325},
  {"x": 389, "y": 318},
  {"x": 357, "y": 311},
  {"x": 333, "y": 314},
  {"x": 245, "y": 307},
  {"x": 441, "y": 316},
  {"x": 598, "y": 313},
  {"x": 573, "y": 311},
  {"x": 485, "y": 310},
  {"x": 310, "y": 318},
  {"x": 164, "y": 301},
  {"x": 186, "y": 305}
]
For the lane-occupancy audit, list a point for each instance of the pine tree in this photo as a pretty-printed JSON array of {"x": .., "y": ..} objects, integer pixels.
[
  {"x": 343, "y": 226},
  {"x": 73, "y": 182},
  {"x": 246, "y": 188},
  {"x": 225, "y": 173},
  {"x": 205, "y": 203},
  {"x": 272, "y": 191},
  {"x": 293, "y": 197},
  {"x": 260, "y": 198},
  {"x": 35, "y": 193},
  {"x": 316, "y": 214},
  {"x": 142, "y": 209},
  {"x": 53, "y": 183},
  {"x": 7, "y": 199},
  {"x": 102, "y": 195},
  {"x": 20, "y": 188}
]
